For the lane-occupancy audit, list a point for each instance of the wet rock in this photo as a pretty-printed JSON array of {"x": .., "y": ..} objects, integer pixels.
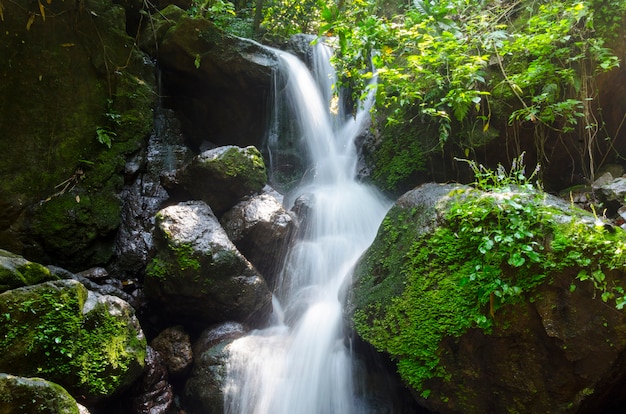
[
  {"x": 260, "y": 226},
  {"x": 90, "y": 344},
  {"x": 198, "y": 276},
  {"x": 153, "y": 392},
  {"x": 166, "y": 152},
  {"x": 60, "y": 205},
  {"x": 204, "y": 390},
  {"x": 223, "y": 176},
  {"x": 34, "y": 395},
  {"x": 15, "y": 271},
  {"x": 174, "y": 345}
]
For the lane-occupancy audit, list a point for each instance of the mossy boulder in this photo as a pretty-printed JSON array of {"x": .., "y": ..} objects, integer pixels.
[
  {"x": 221, "y": 177},
  {"x": 15, "y": 271},
  {"x": 198, "y": 276},
  {"x": 34, "y": 395},
  {"x": 76, "y": 100},
  {"x": 90, "y": 344},
  {"x": 496, "y": 301}
]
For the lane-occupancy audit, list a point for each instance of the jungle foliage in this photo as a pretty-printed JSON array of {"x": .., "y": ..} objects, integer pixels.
[{"x": 461, "y": 69}]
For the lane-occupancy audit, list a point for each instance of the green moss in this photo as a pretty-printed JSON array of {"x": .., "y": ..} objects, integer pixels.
[
  {"x": 490, "y": 249},
  {"x": 86, "y": 351},
  {"x": 234, "y": 163}
]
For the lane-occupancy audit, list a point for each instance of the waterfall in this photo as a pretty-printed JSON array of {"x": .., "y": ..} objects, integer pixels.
[{"x": 301, "y": 364}]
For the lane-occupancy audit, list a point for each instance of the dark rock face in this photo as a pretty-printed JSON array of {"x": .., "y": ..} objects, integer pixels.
[
  {"x": 153, "y": 392},
  {"x": 221, "y": 83},
  {"x": 203, "y": 391},
  {"x": 34, "y": 395},
  {"x": 558, "y": 348},
  {"x": 174, "y": 345},
  {"x": 198, "y": 275},
  {"x": 70, "y": 80},
  {"x": 165, "y": 153}
]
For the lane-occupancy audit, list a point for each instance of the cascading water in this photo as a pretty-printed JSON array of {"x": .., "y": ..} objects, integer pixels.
[{"x": 301, "y": 365}]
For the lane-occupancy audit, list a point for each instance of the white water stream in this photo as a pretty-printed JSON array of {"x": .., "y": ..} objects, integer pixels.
[{"x": 301, "y": 364}]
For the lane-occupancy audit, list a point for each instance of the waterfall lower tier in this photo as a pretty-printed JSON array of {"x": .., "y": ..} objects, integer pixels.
[{"x": 301, "y": 365}]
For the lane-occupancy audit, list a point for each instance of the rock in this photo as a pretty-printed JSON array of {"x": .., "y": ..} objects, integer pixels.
[
  {"x": 174, "y": 345},
  {"x": 495, "y": 302},
  {"x": 34, "y": 395},
  {"x": 260, "y": 226},
  {"x": 203, "y": 391},
  {"x": 166, "y": 152},
  {"x": 90, "y": 344},
  {"x": 15, "y": 271},
  {"x": 223, "y": 176},
  {"x": 61, "y": 204},
  {"x": 198, "y": 276},
  {"x": 153, "y": 393},
  {"x": 218, "y": 81}
]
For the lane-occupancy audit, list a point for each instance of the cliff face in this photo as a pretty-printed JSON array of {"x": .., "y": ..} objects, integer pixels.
[{"x": 76, "y": 101}]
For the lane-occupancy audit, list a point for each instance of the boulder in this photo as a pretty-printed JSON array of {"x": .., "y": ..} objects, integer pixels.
[
  {"x": 501, "y": 301},
  {"x": 76, "y": 102},
  {"x": 15, "y": 271},
  {"x": 223, "y": 176},
  {"x": 90, "y": 344},
  {"x": 198, "y": 276},
  {"x": 174, "y": 345},
  {"x": 153, "y": 392},
  {"x": 260, "y": 226},
  {"x": 34, "y": 395},
  {"x": 203, "y": 392}
]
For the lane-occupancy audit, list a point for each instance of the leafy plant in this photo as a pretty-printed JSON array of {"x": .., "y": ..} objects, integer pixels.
[{"x": 463, "y": 63}]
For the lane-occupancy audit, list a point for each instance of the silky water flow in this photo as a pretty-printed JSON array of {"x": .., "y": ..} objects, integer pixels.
[{"x": 301, "y": 364}]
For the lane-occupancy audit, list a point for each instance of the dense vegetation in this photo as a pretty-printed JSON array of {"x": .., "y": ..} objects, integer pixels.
[{"x": 459, "y": 73}]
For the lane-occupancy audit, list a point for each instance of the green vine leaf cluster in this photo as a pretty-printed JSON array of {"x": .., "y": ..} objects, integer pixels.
[
  {"x": 462, "y": 65},
  {"x": 493, "y": 245}
]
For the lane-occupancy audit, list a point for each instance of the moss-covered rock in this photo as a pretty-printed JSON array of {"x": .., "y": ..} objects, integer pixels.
[
  {"x": 223, "y": 176},
  {"x": 34, "y": 395},
  {"x": 15, "y": 271},
  {"x": 90, "y": 344},
  {"x": 76, "y": 100},
  {"x": 503, "y": 301},
  {"x": 198, "y": 276}
]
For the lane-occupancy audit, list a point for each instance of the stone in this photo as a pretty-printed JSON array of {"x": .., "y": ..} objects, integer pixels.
[
  {"x": 221, "y": 177},
  {"x": 15, "y": 271},
  {"x": 198, "y": 276},
  {"x": 174, "y": 345},
  {"x": 203, "y": 392},
  {"x": 90, "y": 344},
  {"x": 153, "y": 392},
  {"x": 547, "y": 336},
  {"x": 34, "y": 395},
  {"x": 260, "y": 228}
]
